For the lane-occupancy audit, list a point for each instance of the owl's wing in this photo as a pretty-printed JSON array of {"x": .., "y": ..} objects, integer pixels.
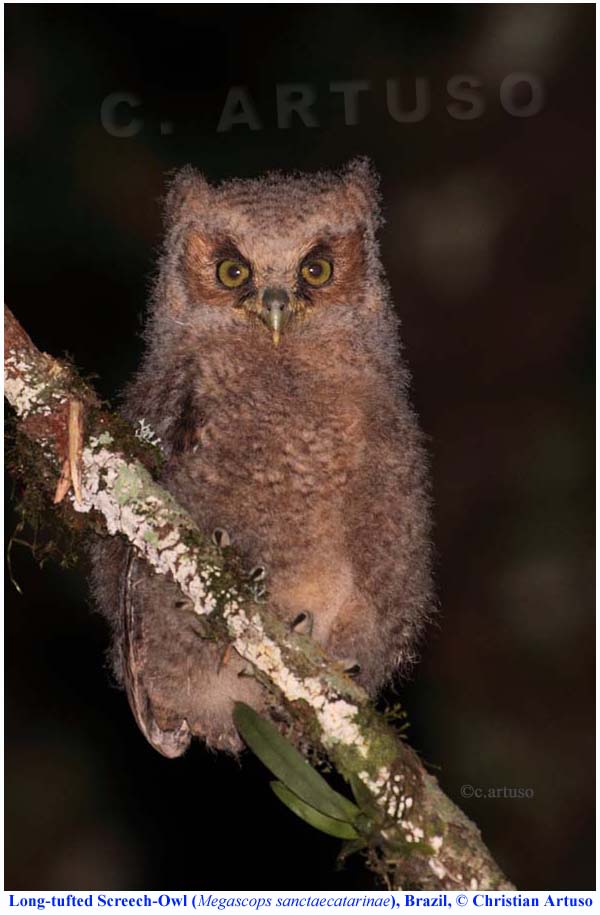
[{"x": 170, "y": 742}]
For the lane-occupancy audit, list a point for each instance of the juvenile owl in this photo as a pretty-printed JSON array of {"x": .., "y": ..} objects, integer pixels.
[{"x": 273, "y": 377}]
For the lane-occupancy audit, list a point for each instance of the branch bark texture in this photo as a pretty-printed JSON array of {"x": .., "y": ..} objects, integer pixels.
[{"x": 92, "y": 460}]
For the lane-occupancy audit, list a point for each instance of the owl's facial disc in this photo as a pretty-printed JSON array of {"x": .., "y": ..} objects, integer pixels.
[{"x": 277, "y": 292}]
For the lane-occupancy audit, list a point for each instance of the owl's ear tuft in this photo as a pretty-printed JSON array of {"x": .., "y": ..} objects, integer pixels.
[
  {"x": 362, "y": 183},
  {"x": 188, "y": 191}
]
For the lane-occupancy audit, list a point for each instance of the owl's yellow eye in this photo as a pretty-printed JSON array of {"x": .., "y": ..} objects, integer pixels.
[
  {"x": 317, "y": 272},
  {"x": 232, "y": 273}
]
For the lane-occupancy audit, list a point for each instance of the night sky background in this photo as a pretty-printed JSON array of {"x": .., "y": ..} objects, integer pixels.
[{"x": 488, "y": 243}]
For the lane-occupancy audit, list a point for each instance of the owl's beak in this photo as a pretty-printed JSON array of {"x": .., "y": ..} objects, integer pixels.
[{"x": 275, "y": 311}]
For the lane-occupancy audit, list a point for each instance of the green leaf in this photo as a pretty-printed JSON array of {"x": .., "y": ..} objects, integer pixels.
[
  {"x": 290, "y": 767},
  {"x": 338, "y": 828}
]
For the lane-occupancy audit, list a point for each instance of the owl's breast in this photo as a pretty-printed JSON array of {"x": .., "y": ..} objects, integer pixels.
[
  {"x": 273, "y": 461},
  {"x": 282, "y": 443}
]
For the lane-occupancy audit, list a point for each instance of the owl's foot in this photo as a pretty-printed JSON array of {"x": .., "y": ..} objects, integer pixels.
[
  {"x": 302, "y": 623},
  {"x": 256, "y": 579},
  {"x": 350, "y": 667},
  {"x": 221, "y": 538},
  {"x": 257, "y": 574}
]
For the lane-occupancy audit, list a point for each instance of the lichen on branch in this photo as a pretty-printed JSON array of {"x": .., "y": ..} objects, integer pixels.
[{"x": 418, "y": 836}]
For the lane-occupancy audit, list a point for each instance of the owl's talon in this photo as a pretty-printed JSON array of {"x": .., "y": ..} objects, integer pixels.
[
  {"x": 256, "y": 577},
  {"x": 257, "y": 574},
  {"x": 303, "y": 623},
  {"x": 221, "y": 538},
  {"x": 351, "y": 667}
]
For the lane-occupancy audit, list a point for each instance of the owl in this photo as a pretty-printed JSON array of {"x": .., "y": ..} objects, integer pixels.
[{"x": 273, "y": 377}]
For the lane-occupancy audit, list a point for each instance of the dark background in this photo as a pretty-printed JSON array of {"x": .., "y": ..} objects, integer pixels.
[{"x": 488, "y": 246}]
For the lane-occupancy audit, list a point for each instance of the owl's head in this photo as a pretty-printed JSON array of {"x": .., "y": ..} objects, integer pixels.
[{"x": 282, "y": 255}]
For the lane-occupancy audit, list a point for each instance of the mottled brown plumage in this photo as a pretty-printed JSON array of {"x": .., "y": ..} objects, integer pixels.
[{"x": 306, "y": 452}]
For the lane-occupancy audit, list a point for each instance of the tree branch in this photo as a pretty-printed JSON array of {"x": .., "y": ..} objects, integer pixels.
[{"x": 90, "y": 462}]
